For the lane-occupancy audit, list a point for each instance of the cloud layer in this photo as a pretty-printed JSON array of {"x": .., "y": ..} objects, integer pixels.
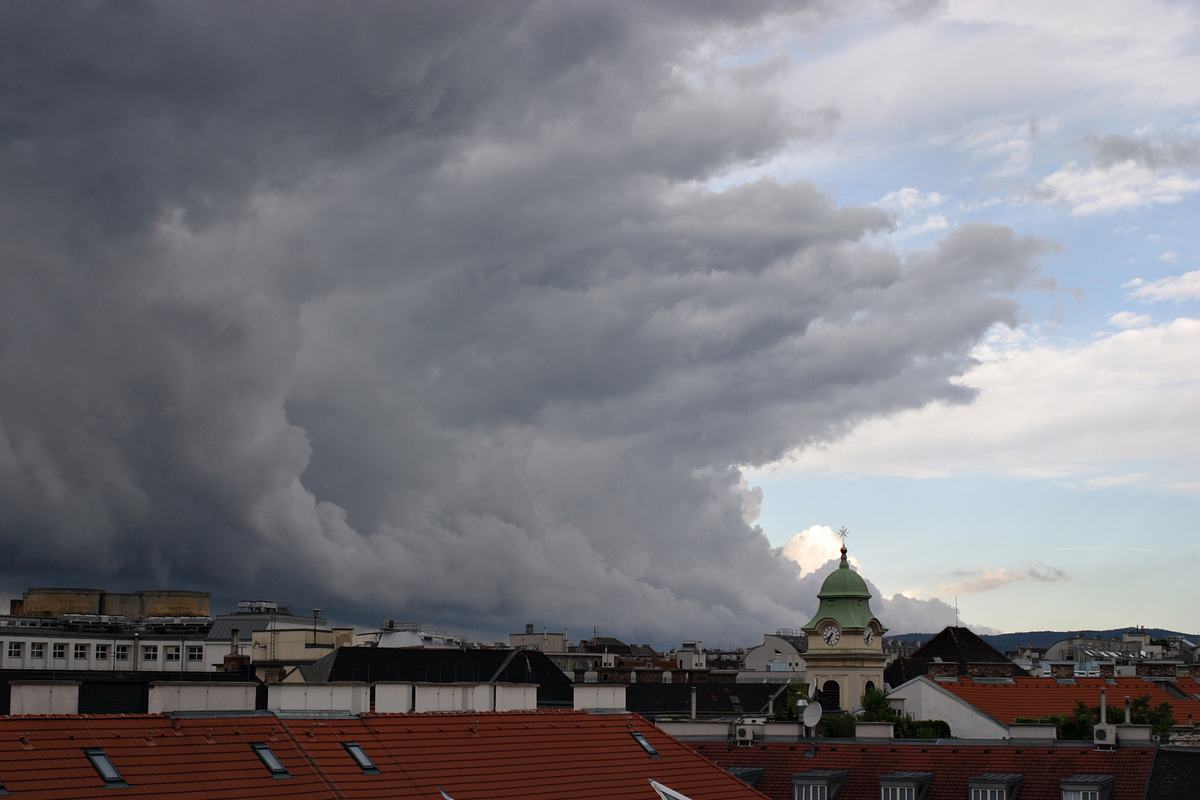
[{"x": 425, "y": 312}]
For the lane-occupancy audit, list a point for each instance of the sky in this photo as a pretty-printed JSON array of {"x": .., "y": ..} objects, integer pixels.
[{"x": 603, "y": 315}]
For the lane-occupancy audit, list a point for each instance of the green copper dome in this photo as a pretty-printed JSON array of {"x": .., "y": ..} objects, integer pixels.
[{"x": 844, "y": 598}]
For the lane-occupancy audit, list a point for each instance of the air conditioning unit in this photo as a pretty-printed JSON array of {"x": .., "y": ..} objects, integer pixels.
[
  {"x": 1105, "y": 735},
  {"x": 744, "y": 734}
]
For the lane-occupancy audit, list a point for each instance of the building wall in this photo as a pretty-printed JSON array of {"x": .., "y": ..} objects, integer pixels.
[
  {"x": 19, "y": 648},
  {"x": 773, "y": 649},
  {"x": 166, "y": 698},
  {"x": 354, "y": 698},
  {"x": 55, "y": 602},
  {"x": 593, "y": 695},
  {"x": 924, "y": 700},
  {"x": 291, "y": 644},
  {"x": 38, "y": 697}
]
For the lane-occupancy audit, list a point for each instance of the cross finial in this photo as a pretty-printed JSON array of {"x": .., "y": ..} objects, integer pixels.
[{"x": 842, "y": 532}]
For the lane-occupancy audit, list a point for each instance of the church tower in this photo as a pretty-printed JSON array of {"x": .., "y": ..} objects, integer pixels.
[{"x": 845, "y": 641}]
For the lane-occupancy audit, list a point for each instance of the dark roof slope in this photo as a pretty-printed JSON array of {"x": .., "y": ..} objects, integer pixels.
[
  {"x": 1176, "y": 774},
  {"x": 953, "y": 764},
  {"x": 712, "y": 699},
  {"x": 431, "y": 665},
  {"x": 953, "y": 646}
]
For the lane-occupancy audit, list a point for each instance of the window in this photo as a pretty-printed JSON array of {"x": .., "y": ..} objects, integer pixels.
[
  {"x": 904, "y": 785},
  {"x": 996, "y": 785},
  {"x": 640, "y": 739},
  {"x": 105, "y": 767},
  {"x": 360, "y": 757},
  {"x": 1087, "y": 787},
  {"x": 102, "y": 652},
  {"x": 171, "y": 652},
  {"x": 60, "y": 650},
  {"x": 195, "y": 652},
  {"x": 269, "y": 759},
  {"x": 15, "y": 648},
  {"x": 80, "y": 652},
  {"x": 149, "y": 652},
  {"x": 121, "y": 652},
  {"x": 37, "y": 649},
  {"x": 818, "y": 784}
]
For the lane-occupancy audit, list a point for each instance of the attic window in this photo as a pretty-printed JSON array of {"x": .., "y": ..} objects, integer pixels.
[
  {"x": 996, "y": 786},
  {"x": 360, "y": 757},
  {"x": 1087, "y": 787},
  {"x": 640, "y": 739},
  {"x": 904, "y": 785},
  {"x": 105, "y": 767},
  {"x": 818, "y": 784},
  {"x": 271, "y": 761}
]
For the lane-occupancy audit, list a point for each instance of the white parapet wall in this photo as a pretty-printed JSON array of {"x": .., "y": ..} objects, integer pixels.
[
  {"x": 401, "y": 697},
  {"x": 393, "y": 697},
  {"x": 43, "y": 697},
  {"x": 349, "y": 696},
  {"x": 168, "y": 697},
  {"x": 600, "y": 696},
  {"x": 515, "y": 696}
]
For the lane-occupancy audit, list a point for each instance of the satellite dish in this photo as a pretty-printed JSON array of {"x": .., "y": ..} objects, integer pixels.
[{"x": 812, "y": 714}]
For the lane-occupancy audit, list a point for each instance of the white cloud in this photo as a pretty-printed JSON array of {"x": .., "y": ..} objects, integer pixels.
[
  {"x": 1103, "y": 190},
  {"x": 1175, "y": 287},
  {"x": 932, "y": 223},
  {"x": 1060, "y": 411},
  {"x": 812, "y": 548},
  {"x": 1105, "y": 481},
  {"x": 909, "y": 199},
  {"x": 1169, "y": 257},
  {"x": 1128, "y": 319}
]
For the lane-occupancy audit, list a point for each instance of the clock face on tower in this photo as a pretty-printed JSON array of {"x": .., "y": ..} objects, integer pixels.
[
  {"x": 868, "y": 637},
  {"x": 831, "y": 635}
]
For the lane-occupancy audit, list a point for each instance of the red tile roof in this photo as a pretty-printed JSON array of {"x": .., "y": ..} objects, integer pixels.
[
  {"x": 1043, "y": 697},
  {"x": 530, "y": 755},
  {"x": 952, "y": 765},
  {"x": 42, "y": 758}
]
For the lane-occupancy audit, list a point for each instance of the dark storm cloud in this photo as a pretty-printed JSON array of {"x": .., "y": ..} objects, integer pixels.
[
  {"x": 1155, "y": 154},
  {"x": 424, "y": 310}
]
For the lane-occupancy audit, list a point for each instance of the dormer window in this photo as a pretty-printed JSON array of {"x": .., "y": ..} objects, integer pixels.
[
  {"x": 996, "y": 786},
  {"x": 818, "y": 784},
  {"x": 904, "y": 785},
  {"x": 1087, "y": 787}
]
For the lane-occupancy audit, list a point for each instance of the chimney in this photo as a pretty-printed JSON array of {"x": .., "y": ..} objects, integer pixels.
[
  {"x": 234, "y": 642},
  {"x": 528, "y": 628},
  {"x": 1103, "y": 706},
  {"x": 693, "y": 702},
  {"x": 1127, "y": 704}
]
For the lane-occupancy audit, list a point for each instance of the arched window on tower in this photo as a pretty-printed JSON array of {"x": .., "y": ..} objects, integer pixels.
[
  {"x": 830, "y": 696},
  {"x": 870, "y": 685}
]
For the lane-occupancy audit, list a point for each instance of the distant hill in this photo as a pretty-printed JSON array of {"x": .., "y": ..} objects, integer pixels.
[{"x": 1011, "y": 641}]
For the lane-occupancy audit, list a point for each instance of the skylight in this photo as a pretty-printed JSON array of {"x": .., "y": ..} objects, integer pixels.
[
  {"x": 269, "y": 759},
  {"x": 360, "y": 757},
  {"x": 649, "y": 748},
  {"x": 104, "y": 766}
]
